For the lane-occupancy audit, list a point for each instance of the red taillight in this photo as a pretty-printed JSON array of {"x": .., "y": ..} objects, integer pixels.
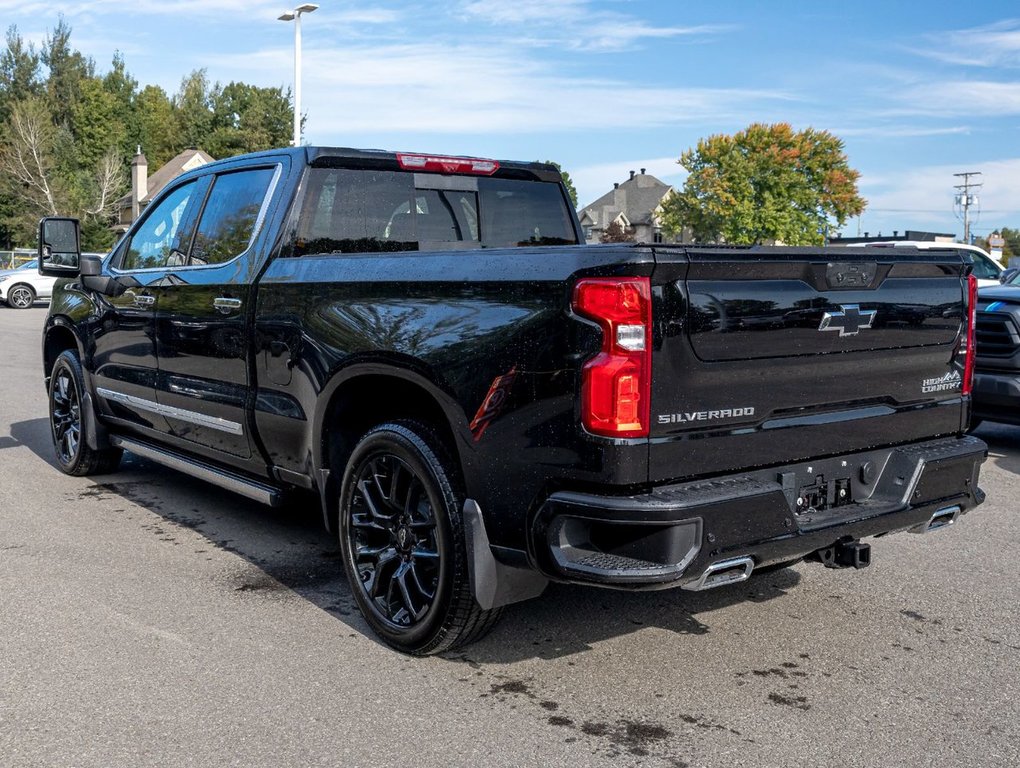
[
  {"x": 971, "y": 349},
  {"x": 615, "y": 384},
  {"x": 442, "y": 164}
]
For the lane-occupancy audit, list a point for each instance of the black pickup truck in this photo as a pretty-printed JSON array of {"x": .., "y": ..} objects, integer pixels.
[{"x": 482, "y": 404}]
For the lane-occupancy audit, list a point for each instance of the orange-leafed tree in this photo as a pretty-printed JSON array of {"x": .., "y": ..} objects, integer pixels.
[{"x": 765, "y": 183}]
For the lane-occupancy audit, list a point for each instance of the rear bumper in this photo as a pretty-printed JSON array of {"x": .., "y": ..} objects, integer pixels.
[{"x": 673, "y": 535}]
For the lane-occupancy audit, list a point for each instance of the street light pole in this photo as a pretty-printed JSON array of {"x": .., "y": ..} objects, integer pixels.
[{"x": 295, "y": 16}]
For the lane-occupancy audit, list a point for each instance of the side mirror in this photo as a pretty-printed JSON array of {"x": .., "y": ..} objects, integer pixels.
[
  {"x": 59, "y": 246},
  {"x": 92, "y": 276}
]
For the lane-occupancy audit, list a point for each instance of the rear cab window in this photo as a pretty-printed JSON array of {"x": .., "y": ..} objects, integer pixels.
[{"x": 365, "y": 211}]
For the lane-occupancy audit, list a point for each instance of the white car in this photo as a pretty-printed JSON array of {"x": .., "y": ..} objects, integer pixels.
[
  {"x": 20, "y": 287},
  {"x": 986, "y": 269}
]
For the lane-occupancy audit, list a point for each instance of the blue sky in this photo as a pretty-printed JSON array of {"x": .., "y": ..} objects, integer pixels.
[{"x": 918, "y": 91}]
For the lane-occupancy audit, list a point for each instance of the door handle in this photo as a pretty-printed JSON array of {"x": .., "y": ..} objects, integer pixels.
[
  {"x": 226, "y": 305},
  {"x": 144, "y": 300}
]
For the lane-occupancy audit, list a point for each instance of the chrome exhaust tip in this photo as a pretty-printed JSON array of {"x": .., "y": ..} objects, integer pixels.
[
  {"x": 943, "y": 518},
  {"x": 723, "y": 572}
]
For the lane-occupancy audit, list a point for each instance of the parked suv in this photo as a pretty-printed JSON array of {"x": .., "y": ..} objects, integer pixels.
[{"x": 22, "y": 286}]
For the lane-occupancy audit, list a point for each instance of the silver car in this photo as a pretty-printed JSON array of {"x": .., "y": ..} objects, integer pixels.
[{"x": 22, "y": 286}]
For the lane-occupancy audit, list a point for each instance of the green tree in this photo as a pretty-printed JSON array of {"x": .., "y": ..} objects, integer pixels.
[
  {"x": 159, "y": 131},
  {"x": 247, "y": 118},
  {"x": 67, "y": 69},
  {"x": 767, "y": 182},
  {"x": 123, "y": 90},
  {"x": 19, "y": 72},
  {"x": 193, "y": 107},
  {"x": 567, "y": 182},
  {"x": 98, "y": 123}
]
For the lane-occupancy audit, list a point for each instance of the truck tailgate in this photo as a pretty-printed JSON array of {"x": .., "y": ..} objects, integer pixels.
[{"x": 769, "y": 355}]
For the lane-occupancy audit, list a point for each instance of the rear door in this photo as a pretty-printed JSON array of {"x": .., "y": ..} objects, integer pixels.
[{"x": 772, "y": 355}]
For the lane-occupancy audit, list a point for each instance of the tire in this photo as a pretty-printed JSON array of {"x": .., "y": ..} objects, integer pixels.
[
  {"x": 20, "y": 296},
  {"x": 402, "y": 542},
  {"x": 73, "y": 454}
]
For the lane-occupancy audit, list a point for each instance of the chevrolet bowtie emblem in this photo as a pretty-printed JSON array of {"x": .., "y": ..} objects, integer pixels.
[{"x": 849, "y": 321}]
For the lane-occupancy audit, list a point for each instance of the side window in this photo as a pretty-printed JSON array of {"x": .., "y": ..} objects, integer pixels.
[
  {"x": 356, "y": 211},
  {"x": 983, "y": 270},
  {"x": 155, "y": 242},
  {"x": 228, "y": 219}
]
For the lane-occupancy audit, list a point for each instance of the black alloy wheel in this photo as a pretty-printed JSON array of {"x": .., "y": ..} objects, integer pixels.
[
  {"x": 394, "y": 540},
  {"x": 65, "y": 416},
  {"x": 74, "y": 455},
  {"x": 402, "y": 542},
  {"x": 21, "y": 296}
]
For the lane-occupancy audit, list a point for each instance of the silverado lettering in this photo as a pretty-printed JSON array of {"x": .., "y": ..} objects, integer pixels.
[
  {"x": 478, "y": 403},
  {"x": 687, "y": 416}
]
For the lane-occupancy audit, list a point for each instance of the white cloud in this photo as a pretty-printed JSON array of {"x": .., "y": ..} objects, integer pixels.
[
  {"x": 576, "y": 24},
  {"x": 972, "y": 98},
  {"x": 470, "y": 88},
  {"x": 992, "y": 45},
  {"x": 899, "y": 131},
  {"x": 212, "y": 9},
  {"x": 144, "y": 7},
  {"x": 924, "y": 196}
]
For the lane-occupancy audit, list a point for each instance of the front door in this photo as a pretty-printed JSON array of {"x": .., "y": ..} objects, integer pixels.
[
  {"x": 202, "y": 318},
  {"x": 124, "y": 335}
]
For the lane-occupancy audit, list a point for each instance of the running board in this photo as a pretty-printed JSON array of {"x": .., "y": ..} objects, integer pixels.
[{"x": 230, "y": 481}]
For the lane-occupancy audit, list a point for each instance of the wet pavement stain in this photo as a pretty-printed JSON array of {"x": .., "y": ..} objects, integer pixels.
[
  {"x": 636, "y": 737},
  {"x": 512, "y": 687},
  {"x": 260, "y": 584},
  {"x": 797, "y": 702},
  {"x": 708, "y": 725},
  {"x": 919, "y": 617}
]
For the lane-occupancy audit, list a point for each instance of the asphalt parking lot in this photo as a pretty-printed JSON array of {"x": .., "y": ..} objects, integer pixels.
[{"x": 147, "y": 619}]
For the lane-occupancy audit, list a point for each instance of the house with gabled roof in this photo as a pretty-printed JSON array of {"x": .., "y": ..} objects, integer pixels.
[
  {"x": 634, "y": 204},
  {"x": 144, "y": 187}
]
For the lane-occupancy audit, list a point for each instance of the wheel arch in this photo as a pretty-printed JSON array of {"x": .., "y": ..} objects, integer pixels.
[
  {"x": 364, "y": 395},
  {"x": 59, "y": 336}
]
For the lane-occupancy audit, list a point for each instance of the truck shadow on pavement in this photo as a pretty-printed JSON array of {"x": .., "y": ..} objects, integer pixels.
[
  {"x": 1003, "y": 445},
  {"x": 286, "y": 550}
]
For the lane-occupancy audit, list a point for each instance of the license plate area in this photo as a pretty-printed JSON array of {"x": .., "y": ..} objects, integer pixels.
[{"x": 821, "y": 497}]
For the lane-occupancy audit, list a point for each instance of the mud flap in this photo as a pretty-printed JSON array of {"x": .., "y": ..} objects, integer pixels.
[{"x": 494, "y": 583}]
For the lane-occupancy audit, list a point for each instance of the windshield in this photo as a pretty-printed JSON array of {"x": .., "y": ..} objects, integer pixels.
[{"x": 33, "y": 264}]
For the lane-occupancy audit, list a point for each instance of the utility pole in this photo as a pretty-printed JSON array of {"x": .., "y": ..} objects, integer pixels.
[{"x": 965, "y": 199}]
